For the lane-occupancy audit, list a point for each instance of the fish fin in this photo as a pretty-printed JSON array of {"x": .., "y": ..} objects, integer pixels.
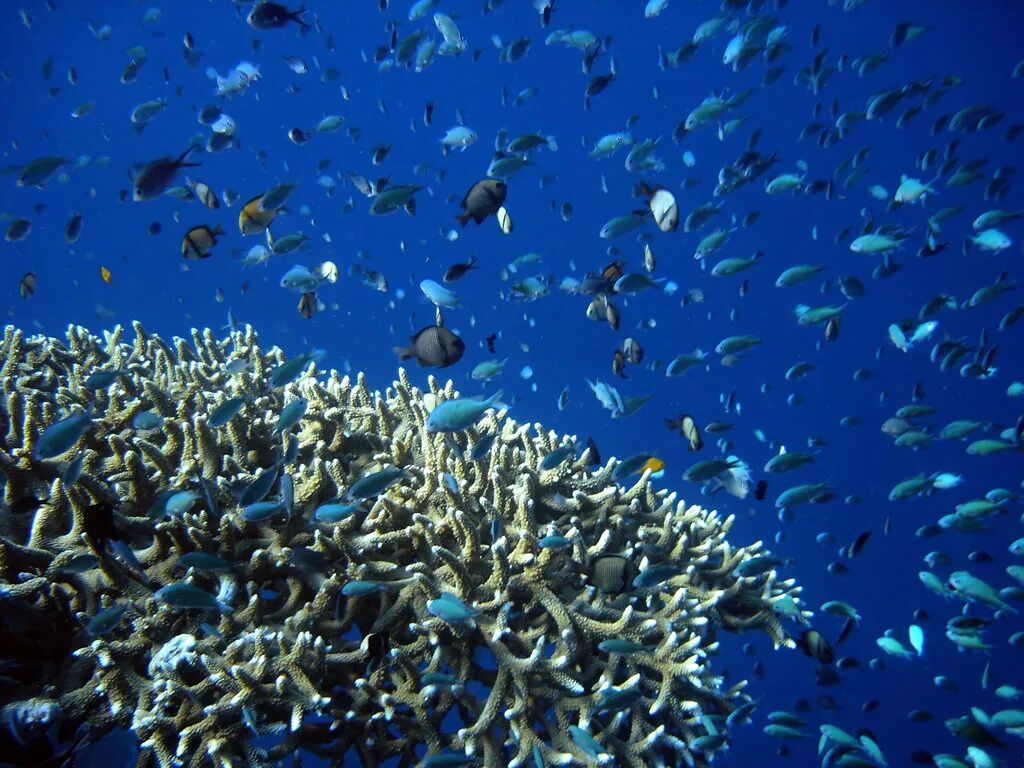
[
  {"x": 404, "y": 353},
  {"x": 180, "y": 162}
]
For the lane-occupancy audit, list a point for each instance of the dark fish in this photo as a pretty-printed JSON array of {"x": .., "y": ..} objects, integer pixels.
[
  {"x": 593, "y": 455},
  {"x": 832, "y": 329},
  {"x": 814, "y": 644},
  {"x": 455, "y": 271},
  {"x": 611, "y": 573},
  {"x": 490, "y": 342},
  {"x": 858, "y": 544},
  {"x": 156, "y": 177},
  {"x": 24, "y": 505},
  {"x": 482, "y": 200},
  {"x": 99, "y": 524},
  {"x": 598, "y": 84},
  {"x": 268, "y": 15},
  {"x": 27, "y": 286},
  {"x": 848, "y": 626},
  {"x": 435, "y": 345},
  {"x": 760, "y": 490},
  {"x": 380, "y": 153},
  {"x": 73, "y": 228}
]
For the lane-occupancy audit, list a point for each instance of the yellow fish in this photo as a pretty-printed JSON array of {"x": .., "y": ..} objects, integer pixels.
[
  {"x": 105, "y": 274},
  {"x": 252, "y": 220},
  {"x": 656, "y": 465}
]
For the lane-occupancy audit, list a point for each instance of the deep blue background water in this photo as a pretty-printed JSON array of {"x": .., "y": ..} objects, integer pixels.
[{"x": 979, "y": 41}]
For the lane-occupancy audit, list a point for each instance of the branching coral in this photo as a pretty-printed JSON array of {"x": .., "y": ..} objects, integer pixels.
[{"x": 477, "y": 583}]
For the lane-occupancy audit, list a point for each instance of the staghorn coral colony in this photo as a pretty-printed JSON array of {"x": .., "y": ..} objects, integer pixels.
[{"x": 212, "y": 544}]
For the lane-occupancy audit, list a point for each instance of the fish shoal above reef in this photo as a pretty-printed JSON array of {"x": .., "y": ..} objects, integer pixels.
[{"x": 252, "y": 633}]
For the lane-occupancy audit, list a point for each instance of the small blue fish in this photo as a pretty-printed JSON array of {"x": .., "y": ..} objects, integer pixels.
[
  {"x": 629, "y": 467},
  {"x": 374, "y": 484},
  {"x": 482, "y": 446},
  {"x": 203, "y": 561},
  {"x": 258, "y": 489},
  {"x": 103, "y": 379},
  {"x": 126, "y": 555},
  {"x": 61, "y": 436},
  {"x": 438, "y": 294},
  {"x": 261, "y": 511},
  {"x": 310, "y": 559},
  {"x": 334, "y": 512},
  {"x": 450, "y": 608},
  {"x": 78, "y": 564},
  {"x": 361, "y": 588},
  {"x": 301, "y": 279},
  {"x": 557, "y": 456},
  {"x": 614, "y": 699},
  {"x": 207, "y": 495},
  {"x": 187, "y": 596},
  {"x": 249, "y": 719},
  {"x": 450, "y": 481},
  {"x": 621, "y": 646},
  {"x": 147, "y": 420},
  {"x": 458, "y": 414},
  {"x": 287, "y": 494},
  {"x": 554, "y": 542},
  {"x": 655, "y": 575},
  {"x": 636, "y": 282},
  {"x": 291, "y": 451},
  {"x": 73, "y": 470},
  {"x": 438, "y": 678},
  {"x": 180, "y": 503},
  {"x": 291, "y": 414},
  {"x": 587, "y": 743},
  {"x": 226, "y": 411},
  {"x": 107, "y": 619},
  {"x": 211, "y": 630},
  {"x": 289, "y": 370}
]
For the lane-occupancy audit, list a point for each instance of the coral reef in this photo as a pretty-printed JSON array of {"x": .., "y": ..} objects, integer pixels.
[{"x": 220, "y": 575}]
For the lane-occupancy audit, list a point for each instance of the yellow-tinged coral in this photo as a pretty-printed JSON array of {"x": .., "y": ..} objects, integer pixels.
[{"x": 329, "y": 634}]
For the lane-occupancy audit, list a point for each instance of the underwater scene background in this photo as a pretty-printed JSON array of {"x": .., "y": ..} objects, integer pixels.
[{"x": 877, "y": 141}]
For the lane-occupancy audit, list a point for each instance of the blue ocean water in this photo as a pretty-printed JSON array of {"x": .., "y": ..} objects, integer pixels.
[{"x": 978, "y": 43}]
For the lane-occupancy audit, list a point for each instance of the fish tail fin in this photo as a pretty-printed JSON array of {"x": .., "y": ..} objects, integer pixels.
[
  {"x": 463, "y": 218},
  {"x": 296, "y": 16},
  {"x": 180, "y": 162},
  {"x": 404, "y": 353}
]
